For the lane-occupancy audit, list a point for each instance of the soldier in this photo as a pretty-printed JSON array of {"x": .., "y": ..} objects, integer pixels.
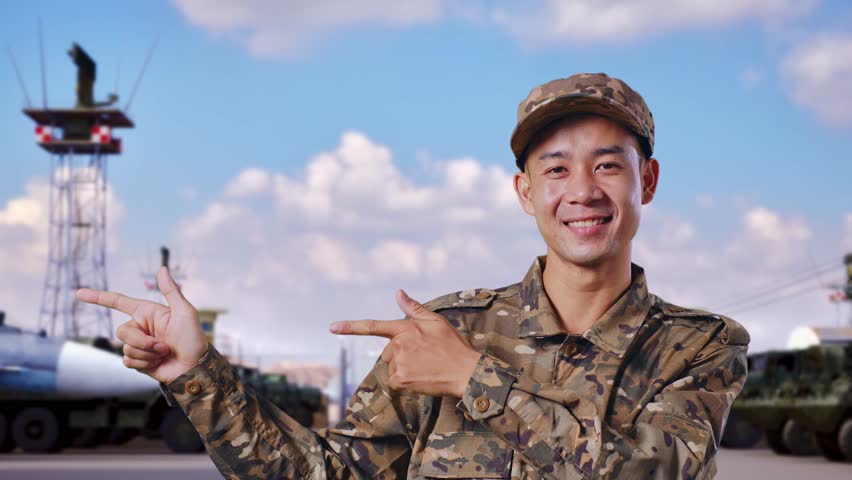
[{"x": 575, "y": 372}]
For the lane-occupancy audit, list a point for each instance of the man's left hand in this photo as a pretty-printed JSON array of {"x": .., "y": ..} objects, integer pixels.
[{"x": 425, "y": 354}]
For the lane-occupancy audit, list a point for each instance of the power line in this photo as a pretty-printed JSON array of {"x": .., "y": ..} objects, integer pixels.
[
  {"x": 757, "y": 295},
  {"x": 777, "y": 299}
]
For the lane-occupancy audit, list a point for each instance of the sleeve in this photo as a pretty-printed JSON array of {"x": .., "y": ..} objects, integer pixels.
[
  {"x": 562, "y": 433},
  {"x": 248, "y": 437}
]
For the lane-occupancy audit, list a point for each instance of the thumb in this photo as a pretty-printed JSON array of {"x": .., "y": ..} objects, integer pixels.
[
  {"x": 169, "y": 288},
  {"x": 412, "y": 307}
]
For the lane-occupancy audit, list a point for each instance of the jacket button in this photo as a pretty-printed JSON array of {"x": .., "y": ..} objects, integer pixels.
[
  {"x": 571, "y": 349},
  {"x": 193, "y": 387},
  {"x": 481, "y": 404}
]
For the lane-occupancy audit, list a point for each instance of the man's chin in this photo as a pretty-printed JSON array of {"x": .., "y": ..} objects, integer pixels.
[{"x": 585, "y": 259}]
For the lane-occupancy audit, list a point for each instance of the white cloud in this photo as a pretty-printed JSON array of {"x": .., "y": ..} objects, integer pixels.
[
  {"x": 23, "y": 230},
  {"x": 592, "y": 21},
  {"x": 775, "y": 239},
  {"x": 251, "y": 181},
  {"x": 395, "y": 257},
  {"x": 336, "y": 240},
  {"x": 819, "y": 77},
  {"x": 735, "y": 258},
  {"x": 291, "y": 27}
]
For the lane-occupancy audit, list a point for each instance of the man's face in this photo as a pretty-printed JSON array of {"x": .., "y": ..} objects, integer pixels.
[{"x": 585, "y": 185}]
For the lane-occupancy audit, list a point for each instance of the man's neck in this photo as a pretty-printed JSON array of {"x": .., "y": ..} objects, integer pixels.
[{"x": 581, "y": 295}]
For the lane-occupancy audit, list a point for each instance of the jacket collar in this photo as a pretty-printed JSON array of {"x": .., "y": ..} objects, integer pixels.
[{"x": 612, "y": 332}]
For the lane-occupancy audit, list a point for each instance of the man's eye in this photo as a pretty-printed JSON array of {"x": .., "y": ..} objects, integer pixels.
[
  {"x": 607, "y": 166},
  {"x": 557, "y": 170}
]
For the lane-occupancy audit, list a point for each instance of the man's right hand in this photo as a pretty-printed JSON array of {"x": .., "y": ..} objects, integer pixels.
[{"x": 160, "y": 341}]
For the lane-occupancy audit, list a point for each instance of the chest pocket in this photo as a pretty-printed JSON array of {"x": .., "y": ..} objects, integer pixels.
[{"x": 465, "y": 455}]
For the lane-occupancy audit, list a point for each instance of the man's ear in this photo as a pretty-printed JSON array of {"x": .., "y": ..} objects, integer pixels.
[
  {"x": 650, "y": 171},
  {"x": 523, "y": 190}
]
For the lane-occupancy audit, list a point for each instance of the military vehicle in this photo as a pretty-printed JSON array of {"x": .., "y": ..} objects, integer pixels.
[
  {"x": 764, "y": 406},
  {"x": 50, "y": 396},
  {"x": 822, "y": 400},
  {"x": 51, "y": 400},
  {"x": 800, "y": 399}
]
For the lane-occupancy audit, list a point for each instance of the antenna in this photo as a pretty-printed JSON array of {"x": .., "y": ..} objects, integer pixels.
[
  {"x": 141, "y": 74},
  {"x": 20, "y": 78},
  {"x": 43, "y": 77},
  {"x": 117, "y": 76}
]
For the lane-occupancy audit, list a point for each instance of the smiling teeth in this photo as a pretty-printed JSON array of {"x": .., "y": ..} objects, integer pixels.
[{"x": 586, "y": 223}]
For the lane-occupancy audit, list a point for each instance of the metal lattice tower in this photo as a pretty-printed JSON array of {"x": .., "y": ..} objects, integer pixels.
[
  {"x": 77, "y": 246},
  {"x": 79, "y": 140}
]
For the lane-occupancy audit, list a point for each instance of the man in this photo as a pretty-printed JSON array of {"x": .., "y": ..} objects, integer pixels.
[{"x": 575, "y": 372}]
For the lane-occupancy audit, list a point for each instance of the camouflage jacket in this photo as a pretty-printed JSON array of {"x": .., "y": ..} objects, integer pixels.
[{"x": 643, "y": 393}]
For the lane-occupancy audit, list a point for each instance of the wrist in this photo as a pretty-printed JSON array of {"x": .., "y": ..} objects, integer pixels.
[{"x": 466, "y": 369}]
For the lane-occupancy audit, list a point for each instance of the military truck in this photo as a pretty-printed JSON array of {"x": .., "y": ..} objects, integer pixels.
[
  {"x": 763, "y": 407},
  {"x": 822, "y": 399},
  {"x": 800, "y": 399},
  {"x": 50, "y": 422}
]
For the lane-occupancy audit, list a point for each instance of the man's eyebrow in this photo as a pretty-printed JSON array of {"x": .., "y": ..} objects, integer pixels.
[
  {"x": 610, "y": 150},
  {"x": 550, "y": 155}
]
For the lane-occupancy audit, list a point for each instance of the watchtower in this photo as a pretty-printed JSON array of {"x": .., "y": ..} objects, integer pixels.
[{"x": 79, "y": 141}]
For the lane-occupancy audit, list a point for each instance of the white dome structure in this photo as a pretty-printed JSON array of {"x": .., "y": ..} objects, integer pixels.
[{"x": 804, "y": 337}]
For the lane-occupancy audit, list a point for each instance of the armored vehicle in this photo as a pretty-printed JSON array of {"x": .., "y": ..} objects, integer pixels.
[
  {"x": 801, "y": 400},
  {"x": 822, "y": 400},
  {"x": 763, "y": 407}
]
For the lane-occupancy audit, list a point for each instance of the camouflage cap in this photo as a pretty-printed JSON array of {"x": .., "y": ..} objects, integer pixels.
[{"x": 582, "y": 93}]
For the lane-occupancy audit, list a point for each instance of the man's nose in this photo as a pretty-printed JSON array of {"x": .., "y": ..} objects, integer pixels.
[{"x": 582, "y": 188}]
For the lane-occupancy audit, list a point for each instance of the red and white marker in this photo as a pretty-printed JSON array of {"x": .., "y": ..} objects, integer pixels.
[
  {"x": 43, "y": 134},
  {"x": 101, "y": 134}
]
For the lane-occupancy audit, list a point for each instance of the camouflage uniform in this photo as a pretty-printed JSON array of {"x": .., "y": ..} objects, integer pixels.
[{"x": 643, "y": 393}]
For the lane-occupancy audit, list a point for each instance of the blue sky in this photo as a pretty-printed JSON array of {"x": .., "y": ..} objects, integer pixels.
[{"x": 272, "y": 88}]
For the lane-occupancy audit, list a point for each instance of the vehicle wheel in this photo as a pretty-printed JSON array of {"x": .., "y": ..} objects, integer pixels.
[
  {"x": 776, "y": 442},
  {"x": 6, "y": 442},
  {"x": 37, "y": 430},
  {"x": 798, "y": 440},
  {"x": 844, "y": 439},
  {"x": 179, "y": 433},
  {"x": 740, "y": 433},
  {"x": 828, "y": 444}
]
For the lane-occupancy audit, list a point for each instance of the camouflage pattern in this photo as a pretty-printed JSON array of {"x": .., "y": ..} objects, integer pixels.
[
  {"x": 644, "y": 393},
  {"x": 582, "y": 93}
]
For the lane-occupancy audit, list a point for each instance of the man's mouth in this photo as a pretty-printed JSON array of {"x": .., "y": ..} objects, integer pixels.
[{"x": 588, "y": 222}]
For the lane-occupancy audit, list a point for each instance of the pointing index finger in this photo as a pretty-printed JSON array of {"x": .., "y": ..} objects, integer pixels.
[
  {"x": 377, "y": 328},
  {"x": 116, "y": 301}
]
